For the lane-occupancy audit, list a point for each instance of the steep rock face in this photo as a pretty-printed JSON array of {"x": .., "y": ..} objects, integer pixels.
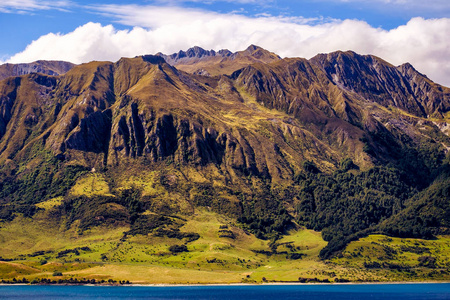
[
  {"x": 285, "y": 86},
  {"x": 434, "y": 98},
  {"x": 184, "y": 141},
  {"x": 84, "y": 119},
  {"x": 164, "y": 136},
  {"x": 185, "y": 127},
  {"x": 9, "y": 94},
  {"x": 24, "y": 104},
  {"x": 300, "y": 89},
  {"x": 378, "y": 81}
]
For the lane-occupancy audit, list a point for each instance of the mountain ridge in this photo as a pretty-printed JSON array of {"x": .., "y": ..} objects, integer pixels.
[
  {"x": 269, "y": 82},
  {"x": 273, "y": 143},
  {"x": 209, "y": 62},
  {"x": 53, "y": 68}
]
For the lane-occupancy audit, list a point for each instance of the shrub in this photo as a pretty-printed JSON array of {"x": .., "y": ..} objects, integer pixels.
[{"x": 178, "y": 248}]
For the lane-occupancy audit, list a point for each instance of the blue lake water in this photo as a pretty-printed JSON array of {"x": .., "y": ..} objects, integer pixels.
[{"x": 234, "y": 292}]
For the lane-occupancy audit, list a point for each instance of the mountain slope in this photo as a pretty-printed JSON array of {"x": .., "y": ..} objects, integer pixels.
[
  {"x": 376, "y": 80},
  {"x": 41, "y": 66},
  {"x": 339, "y": 143}
]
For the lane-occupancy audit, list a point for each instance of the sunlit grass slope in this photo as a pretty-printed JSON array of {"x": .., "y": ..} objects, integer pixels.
[{"x": 223, "y": 253}]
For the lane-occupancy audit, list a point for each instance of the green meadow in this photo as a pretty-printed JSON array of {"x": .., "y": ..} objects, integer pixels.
[
  {"x": 138, "y": 228},
  {"x": 223, "y": 253}
]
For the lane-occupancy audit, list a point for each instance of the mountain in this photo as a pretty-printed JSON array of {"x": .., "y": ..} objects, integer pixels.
[
  {"x": 223, "y": 62},
  {"x": 41, "y": 66},
  {"x": 345, "y": 144}
]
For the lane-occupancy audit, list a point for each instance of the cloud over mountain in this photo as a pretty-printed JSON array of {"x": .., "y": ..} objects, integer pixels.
[{"x": 422, "y": 42}]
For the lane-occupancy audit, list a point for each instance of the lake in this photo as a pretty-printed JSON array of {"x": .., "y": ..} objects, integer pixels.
[{"x": 235, "y": 292}]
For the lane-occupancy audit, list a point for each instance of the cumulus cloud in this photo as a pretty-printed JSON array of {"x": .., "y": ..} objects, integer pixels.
[
  {"x": 422, "y": 42},
  {"x": 21, "y": 6}
]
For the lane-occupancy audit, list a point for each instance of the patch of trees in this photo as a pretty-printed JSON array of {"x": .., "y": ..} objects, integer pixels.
[
  {"x": 6, "y": 259},
  {"x": 427, "y": 213},
  {"x": 263, "y": 211},
  {"x": 313, "y": 280},
  {"x": 175, "y": 233},
  {"x": 225, "y": 233},
  {"x": 372, "y": 265},
  {"x": 346, "y": 206},
  {"x": 75, "y": 251},
  {"x": 178, "y": 248},
  {"x": 75, "y": 281},
  {"x": 418, "y": 160},
  {"x": 290, "y": 254},
  {"x": 145, "y": 224},
  {"x": 22, "y": 191},
  {"x": 260, "y": 208},
  {"x": 427, "y": 261},
  {"x": 39, "y": 253},
  {"x": 215, "y": 198},
  {"x": 92, "y": 211},
  {"x": 125, "y": 207}
]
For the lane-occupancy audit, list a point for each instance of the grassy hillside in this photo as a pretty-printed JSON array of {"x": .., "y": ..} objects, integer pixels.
[
  {"x": 399, "y": 259},
  {"x": 137, "y": 228},
  {"x": 169, "y": 224},
  {"x": 223, "y": 253}
]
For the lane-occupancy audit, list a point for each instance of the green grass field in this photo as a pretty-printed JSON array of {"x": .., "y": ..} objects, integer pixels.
[
  {"x": 214, "y": 248},
  {"x": 37, "y": 249},
  {"x": 398, "y": 259}
]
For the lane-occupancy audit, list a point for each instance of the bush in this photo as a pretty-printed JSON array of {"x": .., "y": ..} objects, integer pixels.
[
  {"x": 178, "y": 248},
  {"x": 427, "y": 261},
  {"x": 42, "y": 262}
]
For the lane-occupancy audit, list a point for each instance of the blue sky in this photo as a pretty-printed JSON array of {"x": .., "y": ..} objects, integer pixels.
[{"x": 80, "y": 31}]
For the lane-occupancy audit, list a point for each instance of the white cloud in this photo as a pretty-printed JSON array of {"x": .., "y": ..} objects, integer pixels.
[
  {"x": 20, "y": 6},
  {"x": 419, "y": 6},
  {"x": 258, "y": 2},
  {"x": 422, "y": 42}
]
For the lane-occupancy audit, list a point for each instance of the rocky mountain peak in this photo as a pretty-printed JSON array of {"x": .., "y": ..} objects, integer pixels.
[
  {"x": 259, "y": 54},
  {"x": 192, "y": 55},
  {"x": 199, "y": 52},
  {"x": 381, "y": 82},
  {"x": 197, "y": 60}
]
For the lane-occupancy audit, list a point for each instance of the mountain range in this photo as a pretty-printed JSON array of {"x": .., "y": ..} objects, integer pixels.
[{"x": 342, "y": 143}]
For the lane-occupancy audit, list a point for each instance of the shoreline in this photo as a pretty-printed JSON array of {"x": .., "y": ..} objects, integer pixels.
[{"x": 231, "y": 284}]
